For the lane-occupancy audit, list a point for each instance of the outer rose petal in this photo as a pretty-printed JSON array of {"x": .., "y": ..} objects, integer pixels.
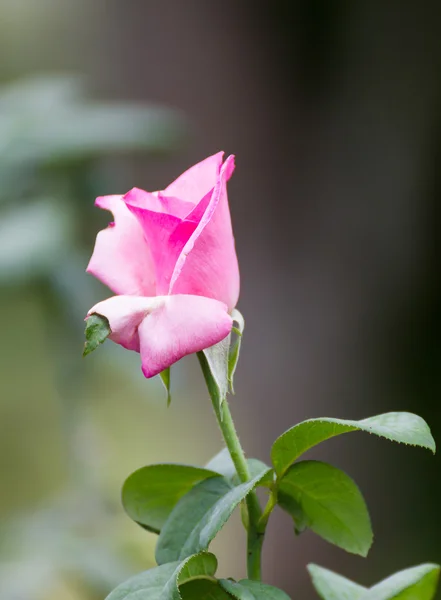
[
  {"x": 183, "y": 325},
  {"x": 207, "y": 265},
  {"x": 165, "y": 328},
  {"x": 124, "y": 314},
  {"x": 197, "y": 181},
  {"x": 121, "y": 258}
]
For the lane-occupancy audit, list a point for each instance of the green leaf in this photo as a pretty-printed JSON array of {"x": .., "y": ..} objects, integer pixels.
[
  {"x": 326, "y": 500},
  {"x": 198, "y": 517},
  {"x": 234, "y": 350},
  {"x": 165, "y": 378},
  {"x": 331, "y": 586},
  {"x": 199, "y": 567},
  {"x": 150, "y": 582},
  {"x": 222, "y": 464},
  {"x": 395, "y": 426},
  {"x": 416, "y": 583},
  {"x": 161, "y": 583},
  {"x": 186, "y": 516},
  {"x": 217, "y": 361},
  {"x": 252, "y": 590},
  {"x": 203, "y": 564},
  {"x": 97, "y": 331},
  {"x": 203, "y": 589},
  {"x": 150, "y": 493}
]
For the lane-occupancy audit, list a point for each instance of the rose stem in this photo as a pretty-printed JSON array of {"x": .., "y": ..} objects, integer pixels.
[{"x": 225, "y": 421}]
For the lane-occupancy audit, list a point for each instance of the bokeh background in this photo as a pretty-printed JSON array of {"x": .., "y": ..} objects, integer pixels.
[{"x": 333, "y": 109}]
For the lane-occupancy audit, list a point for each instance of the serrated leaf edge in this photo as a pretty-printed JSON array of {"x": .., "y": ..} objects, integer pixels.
[
  {"x": 181, "y": 566},
  {"x": 351, "y": 428}
]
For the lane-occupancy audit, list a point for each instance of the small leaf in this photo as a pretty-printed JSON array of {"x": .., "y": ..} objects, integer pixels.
[
  {"x": 396, "y": 426},
  {"x": 203, "y": 589},
  {"x": 165, "y": 378},
  {"x": 234, "y": 350},
  {"x": 416, "y": 583},
  {"x": 199, "y": 516},
  {"x": 331, "y": 586},
  {"x": 217, "y": 360},
  {"x": 324, "y": 499},
  {"x": 252, "y": 590},
  {"x": 97, "y": 331},
  {"x": 150, "y": 493},
  {"x": 161, "y": 583},
  {"x": 222, "y": 464}
]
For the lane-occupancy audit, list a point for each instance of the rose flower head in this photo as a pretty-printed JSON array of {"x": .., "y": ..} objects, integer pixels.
[{"x": 169, "y": 257}]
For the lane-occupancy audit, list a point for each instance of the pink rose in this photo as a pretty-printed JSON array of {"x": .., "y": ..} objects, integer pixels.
[{"x": 170, "y": 258}]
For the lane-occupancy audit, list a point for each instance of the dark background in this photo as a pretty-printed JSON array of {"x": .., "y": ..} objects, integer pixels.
[{"x": 333, "y": 112}]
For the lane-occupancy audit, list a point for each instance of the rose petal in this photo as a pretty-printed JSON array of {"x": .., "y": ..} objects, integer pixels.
[
  {"x": 181, "y": 326},
  {"x": 156, "y": 201},
  {"x": 207, "y": 265},
  {"x": 121, "y": 258},
  {"x": 124, "y": 314},
  {"x": 166, "y": 236},
  {"x": 143, "y": 199},
  {"x": 175, "y": 206},
  {"x": 166, "y": 328},
  {"x": 197, "y": 181}
]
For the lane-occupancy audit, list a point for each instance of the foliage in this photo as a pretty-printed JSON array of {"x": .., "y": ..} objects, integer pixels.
[{"x": 187, "y": 506}]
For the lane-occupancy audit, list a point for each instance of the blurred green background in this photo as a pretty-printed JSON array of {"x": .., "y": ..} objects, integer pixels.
[{"x": 333, "y": 111}]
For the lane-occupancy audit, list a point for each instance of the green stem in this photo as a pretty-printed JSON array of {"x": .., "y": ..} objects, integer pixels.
[
  {"x": 255, "y": 536},
  {"x": 225, "y": 421}
]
